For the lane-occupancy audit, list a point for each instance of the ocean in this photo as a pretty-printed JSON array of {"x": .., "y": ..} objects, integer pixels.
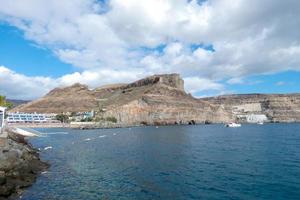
[{"x": 170, "y": 162}]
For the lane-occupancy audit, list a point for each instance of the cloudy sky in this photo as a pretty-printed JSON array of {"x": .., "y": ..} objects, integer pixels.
[{"x": 218, "y": 46}]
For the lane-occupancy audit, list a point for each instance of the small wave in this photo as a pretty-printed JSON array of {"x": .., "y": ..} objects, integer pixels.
[
  {"x": 102, "y": 136},
  {"x": 87, "y": 139},
  {"x": 44, "y": 172},
  {"x": 46, "y": 148},
  {"x": 114, "y": 134}
]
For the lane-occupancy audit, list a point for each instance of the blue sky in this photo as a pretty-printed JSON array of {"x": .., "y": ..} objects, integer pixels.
[
  {"x": 217, "y": 47},
  {"x": 283, "y": 82},
  {"x": 24, "y": 56}
]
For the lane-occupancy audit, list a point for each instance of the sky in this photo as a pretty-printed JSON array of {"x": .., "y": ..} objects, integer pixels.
[{"x": 217, "y": 46}]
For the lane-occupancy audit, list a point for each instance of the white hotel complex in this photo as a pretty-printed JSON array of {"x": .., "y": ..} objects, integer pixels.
[{"x": 30, "y": 118}]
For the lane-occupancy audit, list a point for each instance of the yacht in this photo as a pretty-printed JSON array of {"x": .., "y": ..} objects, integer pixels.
[{"x": 233, "y": 125}]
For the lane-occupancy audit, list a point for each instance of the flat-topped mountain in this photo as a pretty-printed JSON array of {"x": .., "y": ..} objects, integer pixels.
[
  {"x": 161, "y": 99},
  {"x": 158, "y": 99}
]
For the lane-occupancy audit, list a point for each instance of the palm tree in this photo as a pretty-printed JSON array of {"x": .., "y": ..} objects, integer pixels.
[
  {"x": 2, "y": 100},
  {"x": 4, "y": 103}
]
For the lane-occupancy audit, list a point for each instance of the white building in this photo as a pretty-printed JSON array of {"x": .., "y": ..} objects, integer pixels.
[
  {"x": 253, "y": 118},
  {"x": 2, "y": 116},
  {"x": 30, "y": 118}
]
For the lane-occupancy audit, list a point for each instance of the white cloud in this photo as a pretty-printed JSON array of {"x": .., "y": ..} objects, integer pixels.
[
  {"x": 18, "y": 86},
  {"x": 119, "y": 39},
  {"x": 233, "y": 81},
  {"x": 100, "y": 77},
  {"x": 196, "y": 85}
]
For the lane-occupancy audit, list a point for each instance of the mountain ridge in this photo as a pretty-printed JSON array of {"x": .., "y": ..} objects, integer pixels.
[{"x": 161, "y": 99}]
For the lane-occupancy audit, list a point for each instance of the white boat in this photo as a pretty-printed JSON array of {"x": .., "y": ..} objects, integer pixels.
[
  {"x": 233, "y": 125},
  {"x": 260, "y": 123}
]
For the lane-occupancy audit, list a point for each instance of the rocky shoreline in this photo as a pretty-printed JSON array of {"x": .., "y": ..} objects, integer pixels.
[{"x": 19, "y": 165}]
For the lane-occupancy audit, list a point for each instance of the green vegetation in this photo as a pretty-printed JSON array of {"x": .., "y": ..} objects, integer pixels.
[
  {"x": 73, "y": 114},
  {"x": 108, "y": 119},
  {"x": 87, "y": 119},
  {"x": 111, "y": 119},
  {"x": 4, "y": 103},
  {"x": 62, "y": 117},
  {"x": 98, "y": 119}
]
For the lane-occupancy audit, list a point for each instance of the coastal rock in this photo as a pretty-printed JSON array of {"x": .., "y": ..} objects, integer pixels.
[{"x": 19, "y": 166}]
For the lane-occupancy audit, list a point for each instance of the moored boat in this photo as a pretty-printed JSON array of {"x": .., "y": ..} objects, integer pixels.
[{"x": 233, "y": 125}]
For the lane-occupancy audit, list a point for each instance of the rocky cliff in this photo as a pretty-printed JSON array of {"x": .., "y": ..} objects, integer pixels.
[
  {"x": 260, "y": 107},
  {"x": 159, "y": 104},
  {"x": 19, "y": 165},
  {"x": 158, "y": 99}
]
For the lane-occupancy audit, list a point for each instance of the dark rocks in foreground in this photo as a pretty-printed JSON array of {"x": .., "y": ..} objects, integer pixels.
[{"x": 19, "y": 166}]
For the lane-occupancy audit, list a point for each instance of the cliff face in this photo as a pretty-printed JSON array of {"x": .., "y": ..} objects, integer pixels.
[
  {"x": 158, "y": 99},
  {"x": 171, "y": 80},
  {"x": 160, "y": 104},
  {"x": 253, "y": 107}
]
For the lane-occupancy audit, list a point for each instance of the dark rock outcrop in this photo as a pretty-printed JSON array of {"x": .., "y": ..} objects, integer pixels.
[
  {"x": 171, "y": 80},
  {"x": 19, "y": 166}
]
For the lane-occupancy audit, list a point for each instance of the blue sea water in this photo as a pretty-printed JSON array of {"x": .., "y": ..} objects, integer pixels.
[{"x": 170, "y": 162}]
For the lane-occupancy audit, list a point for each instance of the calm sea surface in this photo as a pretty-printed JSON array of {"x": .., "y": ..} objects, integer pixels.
[{"x": 175, "y": 162}]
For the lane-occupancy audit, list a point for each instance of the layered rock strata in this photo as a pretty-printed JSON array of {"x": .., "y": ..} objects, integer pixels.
[{"x": 247, "y": 107}]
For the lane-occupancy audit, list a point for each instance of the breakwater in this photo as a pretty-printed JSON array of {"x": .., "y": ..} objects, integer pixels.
[{"x": 19, "y": 164}]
